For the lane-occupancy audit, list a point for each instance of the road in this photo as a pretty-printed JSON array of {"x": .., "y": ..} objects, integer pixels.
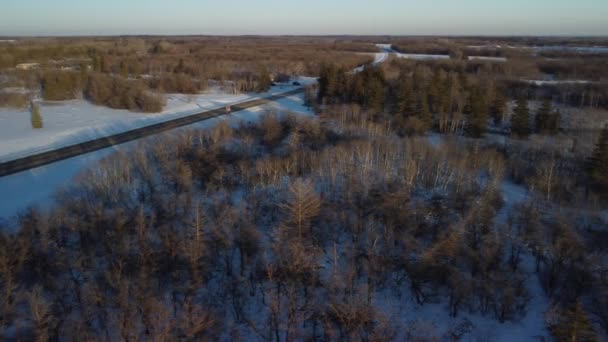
[{"x": 45, "y": 158}]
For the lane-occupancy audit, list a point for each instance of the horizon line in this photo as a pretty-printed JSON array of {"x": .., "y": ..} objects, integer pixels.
[{"x": 573, "y": 35}]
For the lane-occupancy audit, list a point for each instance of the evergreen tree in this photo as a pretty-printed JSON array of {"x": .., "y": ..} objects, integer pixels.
[
  {"x": 99, "y": 63},
  {"x": 340, "y": 91},
  {"x": 498, "y": 108},
  {"x": 264, "y": 81},
  {"x": 35, "y": 116},
  {"x": 124, "y": 69},
  {"x": 554, "y": 122},
  {"x": 374, "y": 95},
  {"x": 598, "y": 163},
  {"x": 423, "y": 112},
  {"x": 327, "y": 81},
  {"x": 357, "y": 90},
  {"x": 84, "y": 73},
  {"x": 435, "y": 91},
  {"x": 573, "y": 326},
  {"x": 96, "y": 63},
  {"x": 477, "y": 117},
  {"x": 520, "y": 122},
  {"x": 405, "y": 98},
  {"x": 542, "y": 118}
]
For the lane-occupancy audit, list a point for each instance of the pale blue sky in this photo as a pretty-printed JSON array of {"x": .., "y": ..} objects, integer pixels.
[{"x": 423, "y": 17}]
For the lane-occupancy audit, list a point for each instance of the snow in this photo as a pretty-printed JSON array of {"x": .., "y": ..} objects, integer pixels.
[
  {"x": 489, "y": 59},
  {"x": 530, "y": 327},
  {"x": 422, "y": 56},
  {"x": 14, "y": 90},
  {"x": 379, "y": 58},
  {"x": 37, "y": 186},
  {"x": 386, "y": 48},
  {"x": 71, "y": 122},
  {"x": 485, "y": 328},
  {"x": 580, "y": 49},
  {"x": 480, "y": 47},
  {"x": 554, "y": 82}
]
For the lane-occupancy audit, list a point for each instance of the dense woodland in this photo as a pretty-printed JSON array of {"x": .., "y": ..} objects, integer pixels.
[
  {"x": 296, "y": 228},
  {"x": 141, "y": 70},
  {"x": 416, "y": 185},
  {"x": 156, "y": 66}
]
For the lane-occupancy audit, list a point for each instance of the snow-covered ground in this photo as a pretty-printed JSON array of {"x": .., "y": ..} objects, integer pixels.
[
  {"x": 554, "y": 82},
  {"x": 579, "y": 49},
  {"x": 489, "y": 59},
  {"x": 379, "y": 58},
  {"x": 71, "y": 122},
  {"x": 484, "y": 46},
  {"x": 418, "y": 56},
  {"x": 37, "y": 186},
  {"x": 386, "y": 48}
]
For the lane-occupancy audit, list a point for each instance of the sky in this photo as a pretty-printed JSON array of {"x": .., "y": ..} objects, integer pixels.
[{"x": 304, "y": 17}]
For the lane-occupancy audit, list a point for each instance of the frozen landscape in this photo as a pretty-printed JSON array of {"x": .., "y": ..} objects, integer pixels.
[
  {"x": 189, "y": 183},
  {"x": 72, "y": 122},
  {"x": 36, "y": 187}
]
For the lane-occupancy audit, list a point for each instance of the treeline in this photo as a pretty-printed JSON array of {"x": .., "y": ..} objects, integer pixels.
[
  {"x": 419, "y": 98},
  {"x": 591, "y": 68},
  {"x": 171, "y": 65},
  {"x": 583, "y": 95},
  {"x": 124, "y": 92},
  {"x": 423, "y": 47}
]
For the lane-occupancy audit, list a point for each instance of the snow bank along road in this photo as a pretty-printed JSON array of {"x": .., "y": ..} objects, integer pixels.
[{"x": 36, "y": 160}]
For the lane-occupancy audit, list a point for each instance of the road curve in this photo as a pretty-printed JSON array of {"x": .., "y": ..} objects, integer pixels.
[{"x": 45, "y": 158}]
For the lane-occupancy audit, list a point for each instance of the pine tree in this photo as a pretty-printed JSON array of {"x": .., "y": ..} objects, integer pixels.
[
  {"x": 573, "y": 326},
  {"x": 543, "y": 117},
  {"x": 84, "y": 73},
  {"x": 97, "y": 63},
  {"x": 554, "y": 122},
  {"x": 124, "y": 69},
  {"x": 264, "y": 81},
  {"x": 423, "y": 112},
  {"x": 498, "y": 108},
  {"x": 598, "y": 163},
  {"x": 36, "y": 118},
  {"x": 327, "y": 81},
  {"x": 357, "y": 90},
  {"x": 435, "y": 91},
  {"x": 406, "y": 97},
  {"x": 520, "y": 122},
  {"x": 477, "y": 117}
]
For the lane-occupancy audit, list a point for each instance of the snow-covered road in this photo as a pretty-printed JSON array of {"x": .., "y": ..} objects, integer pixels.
[{"x": 72, "y": 122}]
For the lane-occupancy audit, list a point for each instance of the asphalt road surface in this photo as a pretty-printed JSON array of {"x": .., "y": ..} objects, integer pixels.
[{"x": 45, "y": 158}]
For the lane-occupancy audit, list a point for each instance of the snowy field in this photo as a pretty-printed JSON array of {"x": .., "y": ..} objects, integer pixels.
[
  {"x": 555, "y": 82},
  {"x": 418, "y": 56},
  {"x": 37, "y": 186},
  {"x": 488, "y": 59},
  {"x": 71, "y": 122}
]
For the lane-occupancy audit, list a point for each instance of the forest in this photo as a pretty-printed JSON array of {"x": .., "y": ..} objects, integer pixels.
[
  {"x": 142, "y": 70},
  {"x": 447, "y": 186}
]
